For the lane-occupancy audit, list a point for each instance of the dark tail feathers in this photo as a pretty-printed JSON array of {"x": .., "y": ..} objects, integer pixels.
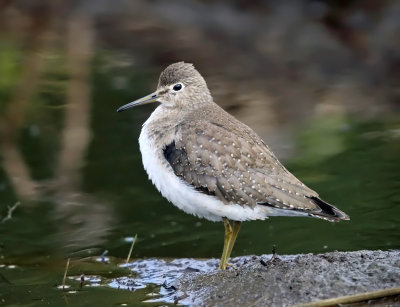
[{"x": 328, "y": 211}]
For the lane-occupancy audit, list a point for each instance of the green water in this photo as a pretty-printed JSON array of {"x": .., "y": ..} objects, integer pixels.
[{"x": 352, "y": 162}]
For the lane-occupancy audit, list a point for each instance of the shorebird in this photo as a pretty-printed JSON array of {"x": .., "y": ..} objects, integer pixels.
[{"x": 209, "y": 164}]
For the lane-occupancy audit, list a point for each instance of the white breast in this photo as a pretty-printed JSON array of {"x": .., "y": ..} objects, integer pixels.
[{"x": 185, "y": 196}]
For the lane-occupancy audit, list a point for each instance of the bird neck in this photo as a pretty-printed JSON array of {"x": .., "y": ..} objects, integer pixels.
[{"x": 158, "y": 127}]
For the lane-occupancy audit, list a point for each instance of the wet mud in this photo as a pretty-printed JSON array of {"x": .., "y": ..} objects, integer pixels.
[{"x": 282, "y": 280}]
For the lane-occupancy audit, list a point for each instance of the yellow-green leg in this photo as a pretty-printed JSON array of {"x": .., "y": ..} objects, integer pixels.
[
  {"x": 227, "y": 238},
  {"x": 235, "y": 231},
  {"x": 229, "y": 241}
]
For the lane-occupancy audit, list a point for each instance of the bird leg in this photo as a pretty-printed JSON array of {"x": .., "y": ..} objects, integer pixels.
[
  {"x": 228, "y": 235},
  {"x": 235, "y": 231},
  {"x": 229, "y": 241}
]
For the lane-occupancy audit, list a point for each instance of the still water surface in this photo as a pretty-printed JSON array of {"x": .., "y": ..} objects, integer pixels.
[{"x": 352, "y": 163}]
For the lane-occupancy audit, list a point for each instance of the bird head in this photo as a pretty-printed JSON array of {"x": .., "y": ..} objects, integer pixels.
[{"x": 180, "y": 85}]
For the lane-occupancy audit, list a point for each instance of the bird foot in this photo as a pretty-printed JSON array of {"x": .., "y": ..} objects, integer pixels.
[{"x": 224, "y": 267}]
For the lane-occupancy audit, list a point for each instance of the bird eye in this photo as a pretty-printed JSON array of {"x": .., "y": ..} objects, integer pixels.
[{"x": 177, "y": 87}]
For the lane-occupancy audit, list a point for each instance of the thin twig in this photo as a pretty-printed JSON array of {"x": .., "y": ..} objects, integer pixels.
[
  {"x": 82, "y": 278},
  {"x": 256, "y": 302},
  {"x": 130, "y": 251},
  {"x": 103, "y": 256},
  {"x": 356, "y": 298},
  {"x": 65, "y": 273},
  {"x": 10, "y": 212}
]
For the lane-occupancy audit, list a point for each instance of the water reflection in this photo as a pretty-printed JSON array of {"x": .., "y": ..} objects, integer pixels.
[{"x": 106, "y": 196}]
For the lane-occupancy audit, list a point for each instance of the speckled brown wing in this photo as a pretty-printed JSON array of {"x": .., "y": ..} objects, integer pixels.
[{"x": 235, "y": 165}]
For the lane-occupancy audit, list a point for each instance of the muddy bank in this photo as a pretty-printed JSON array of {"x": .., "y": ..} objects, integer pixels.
[{"x": 263, "y": 280}]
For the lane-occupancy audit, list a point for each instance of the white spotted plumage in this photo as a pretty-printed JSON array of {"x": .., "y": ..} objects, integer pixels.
[{"x": 184, "y": 196}]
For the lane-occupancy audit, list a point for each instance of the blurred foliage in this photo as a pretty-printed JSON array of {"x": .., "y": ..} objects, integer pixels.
[
  {"x": 10, "y": 59},
  {"x": 321, "y": 139},
  {"x": 41, "y": 131},
  {"x": 107, "y": 152}
]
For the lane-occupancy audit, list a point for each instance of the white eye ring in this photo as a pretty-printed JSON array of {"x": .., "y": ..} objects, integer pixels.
[{"x": 177, "y": 87}]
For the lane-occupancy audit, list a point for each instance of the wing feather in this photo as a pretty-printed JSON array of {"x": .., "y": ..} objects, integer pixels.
[{"x": 237, "y": 167}]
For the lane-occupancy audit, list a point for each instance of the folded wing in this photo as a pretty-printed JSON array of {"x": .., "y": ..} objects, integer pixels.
[{"x": 236, "y": 166}]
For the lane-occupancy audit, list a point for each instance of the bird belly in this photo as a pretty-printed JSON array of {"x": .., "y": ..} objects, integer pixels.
[{"x": 186, "y": 197}]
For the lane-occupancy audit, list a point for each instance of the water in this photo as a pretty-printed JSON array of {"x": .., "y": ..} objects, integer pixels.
[{"x": 352, "y": 162}]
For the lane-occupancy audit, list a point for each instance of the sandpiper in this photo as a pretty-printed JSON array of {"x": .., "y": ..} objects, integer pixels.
[{"x": 209, "y": 164}]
